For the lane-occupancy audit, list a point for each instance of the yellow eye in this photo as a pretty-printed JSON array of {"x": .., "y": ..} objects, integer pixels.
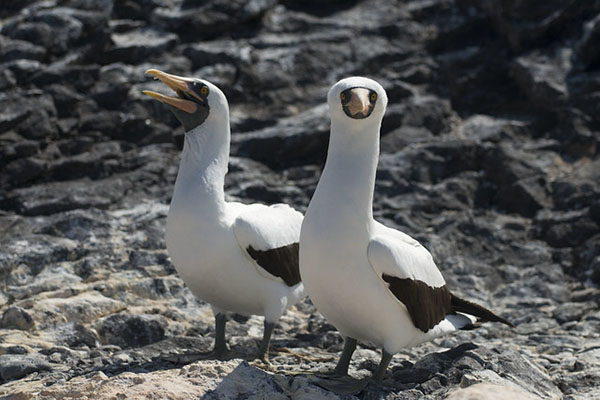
[
  {"x": 343, "y": 96},
  {"x": 373, "y": 96},
  {"x": 204, "y": 90}
]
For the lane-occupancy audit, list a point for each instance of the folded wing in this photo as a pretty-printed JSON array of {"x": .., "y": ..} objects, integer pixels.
[{"x": 270, "y": 236}]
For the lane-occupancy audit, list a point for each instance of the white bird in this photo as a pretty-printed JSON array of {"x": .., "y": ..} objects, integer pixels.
[
  {"x": 238, "y": 258},
  {"x": 373, "y": 283}
]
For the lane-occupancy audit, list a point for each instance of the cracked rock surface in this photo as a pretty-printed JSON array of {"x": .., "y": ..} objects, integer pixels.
[{"x": 489, "y": 157}]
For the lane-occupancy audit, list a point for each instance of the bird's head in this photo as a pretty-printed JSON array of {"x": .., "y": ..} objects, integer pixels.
[
  {"x": 197, "y": 100},
  {"x": 357, "y": 99}
]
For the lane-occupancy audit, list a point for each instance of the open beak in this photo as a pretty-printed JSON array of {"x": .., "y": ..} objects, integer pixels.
[
  {"x": 359, "y": 102},
  {"x": 180, "y": 86}
]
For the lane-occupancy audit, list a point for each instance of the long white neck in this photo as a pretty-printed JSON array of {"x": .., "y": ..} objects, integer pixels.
[
  {"x": 201, "y": 176},
  {"x": 345, "y": 190}
]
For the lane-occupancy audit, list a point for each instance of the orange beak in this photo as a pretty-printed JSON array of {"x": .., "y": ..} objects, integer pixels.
[{"x": 180, "y": 86}]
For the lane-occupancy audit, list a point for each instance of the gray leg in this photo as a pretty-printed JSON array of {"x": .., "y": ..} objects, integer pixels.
[
  {"x": 342, "y": 366},
  {"x": 220, "y": 342},
  {"x": 385, "y": 361},
  {"x": 219, "y": 351},
  {"x": 263, "y": 351},
  {"x": 340, "y": 382}
]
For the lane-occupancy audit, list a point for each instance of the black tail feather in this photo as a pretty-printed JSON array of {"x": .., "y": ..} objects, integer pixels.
[{"x": 482, "y": 313}]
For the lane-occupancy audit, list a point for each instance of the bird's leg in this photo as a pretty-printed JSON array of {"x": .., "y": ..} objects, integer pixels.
[
  {"x": 338, "y": 381},
  {"x": 383, "y": 364},
  {"x": 220, "y": 343},
  {"x": 263, "y": 351},
  {"x": 344, "y": 362},
  {"x": 218, "y": 352}
]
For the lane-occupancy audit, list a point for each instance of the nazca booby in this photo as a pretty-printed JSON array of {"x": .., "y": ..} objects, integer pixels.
[
  {"x": 372, "y": 282},
  {"x": 237, "y": 257}
]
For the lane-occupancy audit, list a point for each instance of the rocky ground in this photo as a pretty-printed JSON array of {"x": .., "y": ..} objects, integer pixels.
[{"x": 489, "y": 158}]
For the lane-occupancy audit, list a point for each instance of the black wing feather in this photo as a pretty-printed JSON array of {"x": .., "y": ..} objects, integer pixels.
[
  {"x": 427, "y": 306},
  {"x": 482, "y": 313},
  {"x": 282, "y": 262}
]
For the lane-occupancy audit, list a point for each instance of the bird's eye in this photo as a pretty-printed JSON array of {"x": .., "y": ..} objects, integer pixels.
[
  {"x": 204, "y": 90},
  {"x": 373, "y": 96},
  {"x": 343, "y": 96}
]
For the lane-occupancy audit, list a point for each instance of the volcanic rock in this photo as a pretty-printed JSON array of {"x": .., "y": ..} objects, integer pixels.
[{"x": 489, "y": 157}]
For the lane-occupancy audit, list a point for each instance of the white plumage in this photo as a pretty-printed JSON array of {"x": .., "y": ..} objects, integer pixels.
[
  {"x": 207, "y": 237},
  {"x": 349, "y": 263}
]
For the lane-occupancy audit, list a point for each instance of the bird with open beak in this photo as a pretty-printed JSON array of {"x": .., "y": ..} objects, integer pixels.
[{"x": 239, "y": 258}]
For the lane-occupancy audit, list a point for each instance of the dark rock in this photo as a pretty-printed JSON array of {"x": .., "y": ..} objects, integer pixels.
[
  {"x": 264, "y": 187},
  {"x": 21, "y": 69},
  {"x": 319, "y": 9},
  {"x": 38, "y": 125},
  {"x": 103, "y": 6},
  {"x": 77, "y": 335},
  {"x": 595, "y": 212},
  {"x": 521, "y": 187},
  {"x": 402, "y": 137},
  {"x": 524, "y": 197},
  {"x": 7, "y": 79},
  {"x": 17, "y": 366},
  {"x": 432, "y": 364},
  {"x": 567, "y": 229},
  {"x": 16, "y": 350},
  {"x": 18, "y": 49},
  {"x": 484, "y": 128},
  {"x": 12, "y": 114},
  {"x": 131, "y": 330},
  {"x": 455, "y": 193},
  {"x": 473, "y": 75},
  {"x": 12, "y": 6},
  {"x": 76, "y": 225},
  {"x": 428, "y": 112},
  {"x": 435, "y": 162},
  {"x": 66, "y": 126},
  {"x": 24, "y": 170},
  {"x": 83, "y": 165},
  {"x": 532, "y": 376},
  {"x": 56, "y": 197},
  {"x": 136, "y": 10},
  {"x": 15, "y": 146},
  {"x": 569, "y": 195},
  {"x": 112, "y": 87},
  {"x": 64, "y": 98},
  {"x": 131, "y": 47},
  {"x": 567, "y": 312},
  {"x": 107, "y": 122},
  {"x": 218, "y": 52},
  {"x": 211, "y": 19},
  {"x": 582, "y": 87},
  {"x": 524, "y": 25},
  {"x": 125, "y": 25},
  {"x": 17, "y": 318},
  {"x": 29, "y": 113},
  {"x": 65, "y": 30},
  {"x": 294, "y": 141},
  {"x": 58, "y": 29},
  {"x": 586, "y": 263},
  {"x": 543, "y": 78},
  {"x": 96, "y": 34},
  {"x": 81, "y": 77},
  {"x": 587, "y": 52},
  {"x": 36, "y": 251},
  {"x": 75, "y": 145},
  {"x": 39, "y": 34}
]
